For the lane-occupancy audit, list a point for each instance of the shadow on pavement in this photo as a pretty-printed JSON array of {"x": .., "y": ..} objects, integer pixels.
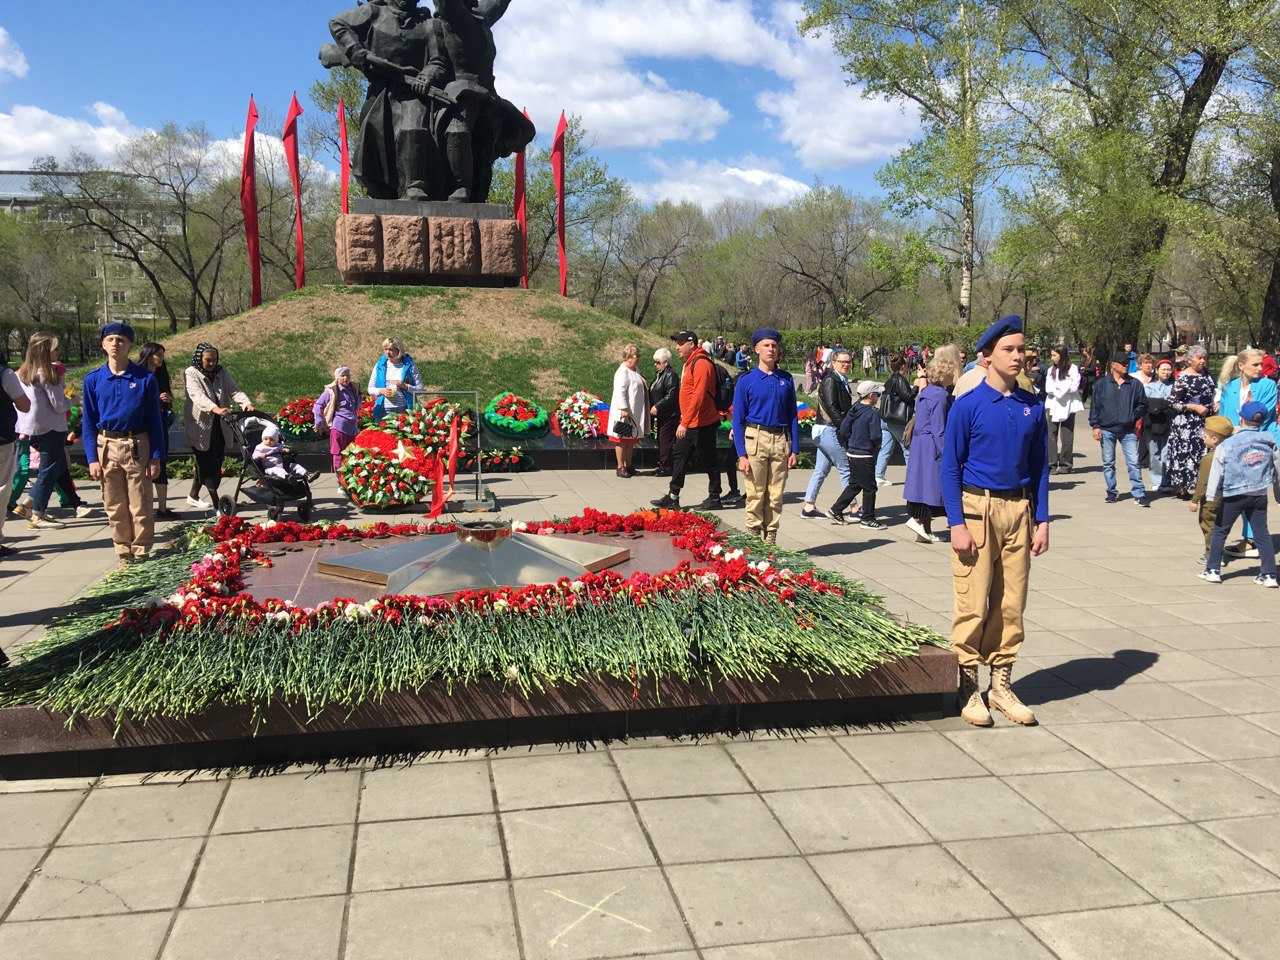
[{"x": 1084, "y": 675}]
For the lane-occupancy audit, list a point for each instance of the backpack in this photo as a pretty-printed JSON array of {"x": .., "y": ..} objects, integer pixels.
[{"x": 725, "y": 383}]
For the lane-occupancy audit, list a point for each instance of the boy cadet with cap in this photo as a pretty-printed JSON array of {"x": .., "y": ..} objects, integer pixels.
[
  {"x": 699, "y": 421},
  {"x": 1245, "y": 466},
  {"x": 124, "y": 441},
  {"x": 766, "y": 433},
  {"x": 995, "y": 486}
]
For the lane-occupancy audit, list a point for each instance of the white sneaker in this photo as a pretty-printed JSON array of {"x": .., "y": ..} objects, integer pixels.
[
  {"x": 883, "y": 482},
  {"x": 1242, "y": 549},
  {"x": 1263, "y": 580},
  {"x": 199, "y": 504},
  {"x": 1210, "y": 576},
  {"x": 83, "y": 511},
  {"x": 44, "y": 522},
  {"x": 922, "y": 535}
]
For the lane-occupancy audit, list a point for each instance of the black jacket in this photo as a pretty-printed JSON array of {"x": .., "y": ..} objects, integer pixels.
[
  {"x": 835, "y": 398},
  {"x": 665, "y": 394},
  {"x": 899, "y": 402},
  {"x": 859, "y": 432},
  {"x": 1117, "y": 407}
]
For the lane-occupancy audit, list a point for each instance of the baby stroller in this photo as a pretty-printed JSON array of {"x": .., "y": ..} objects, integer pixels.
[{"x": 247, "y": 429}]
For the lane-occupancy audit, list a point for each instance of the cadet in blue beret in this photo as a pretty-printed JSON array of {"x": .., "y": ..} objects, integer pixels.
[
  {"x": 123, "y": 442},
  {"x": 995, "y": 487},
  {"x": 766, "y": 433}
]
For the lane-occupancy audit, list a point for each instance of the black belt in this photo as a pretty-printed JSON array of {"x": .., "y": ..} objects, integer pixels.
[
  {"x": 122, "y": 434},
  {"x": 763, "y": 426},
  {"x": 1018, "y": 493}
]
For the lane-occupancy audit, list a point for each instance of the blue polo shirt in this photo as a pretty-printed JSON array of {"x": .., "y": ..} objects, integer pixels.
[
  {"x": 996, "y": 442},
  {"x": 127, "y": 402},
  {"x": 767, "y": 399}
]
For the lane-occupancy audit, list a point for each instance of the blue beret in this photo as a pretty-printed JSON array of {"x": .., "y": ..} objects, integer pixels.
[
  {"x": 768, "y": 333},
  {"x": 1001, "y": 328},
  {"x": 118, "y": 329}
]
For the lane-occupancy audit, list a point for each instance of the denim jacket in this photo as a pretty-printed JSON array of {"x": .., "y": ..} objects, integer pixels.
[{"x": 1246, "y": 463}]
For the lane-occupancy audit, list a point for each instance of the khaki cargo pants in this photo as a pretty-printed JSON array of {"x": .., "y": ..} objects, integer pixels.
[
  {"x": 991, "y": 589},
  {"x": 768, "y": 450},
  {"x": 127, "y": 494}
]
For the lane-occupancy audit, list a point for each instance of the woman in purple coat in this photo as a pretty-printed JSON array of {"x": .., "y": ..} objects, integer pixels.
[{"x": 923, "y": 490}]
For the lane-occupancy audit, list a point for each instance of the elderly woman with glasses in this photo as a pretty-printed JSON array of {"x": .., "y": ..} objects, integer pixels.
[
  {"x": 835, "y": 396},
  {"x": 664, "y": 399}
]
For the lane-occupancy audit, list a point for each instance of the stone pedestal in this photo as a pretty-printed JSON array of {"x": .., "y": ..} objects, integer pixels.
[{"x": 429, "y": 243}]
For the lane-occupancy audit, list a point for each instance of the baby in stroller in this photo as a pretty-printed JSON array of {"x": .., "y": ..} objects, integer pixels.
[{"x": 277, "y": 460}]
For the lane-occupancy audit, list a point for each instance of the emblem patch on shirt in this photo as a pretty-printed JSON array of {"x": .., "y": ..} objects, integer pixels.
[
  {"x": 1253, "y": 458},
  {"x": 1026, "y": 411},
  {"x": 133, "y": 385}
]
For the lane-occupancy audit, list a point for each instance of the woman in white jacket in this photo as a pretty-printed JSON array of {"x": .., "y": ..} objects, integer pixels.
[
  {"x": 1062, "y": 402},
  {"x": 630, "y": 406},
  {"x": 45, "y": 422}
]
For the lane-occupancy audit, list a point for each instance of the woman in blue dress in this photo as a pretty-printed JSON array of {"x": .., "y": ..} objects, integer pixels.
[{"x": 923, "y": 490}]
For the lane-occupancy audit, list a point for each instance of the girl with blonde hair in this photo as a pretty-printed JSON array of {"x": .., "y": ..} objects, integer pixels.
[{"x": 45, "y": 423}]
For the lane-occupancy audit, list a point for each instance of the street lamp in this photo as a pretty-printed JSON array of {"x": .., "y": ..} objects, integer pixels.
[
  {"x": 822, "y": 325},
  {"x": 1026, "y": 310}
]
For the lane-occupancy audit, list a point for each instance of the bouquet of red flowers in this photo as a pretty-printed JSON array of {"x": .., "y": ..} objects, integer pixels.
[
  {"x": 383, "y": 471},
  {"x": 297, "y": 419},
  {"x": 516, "y": 418},
  {"x": 364, "y": 418}
]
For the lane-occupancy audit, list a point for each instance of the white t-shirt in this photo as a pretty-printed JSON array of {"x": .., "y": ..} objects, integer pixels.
[
  {"x": 395, "y": 371},
  {"x": 12, "y": 385}
]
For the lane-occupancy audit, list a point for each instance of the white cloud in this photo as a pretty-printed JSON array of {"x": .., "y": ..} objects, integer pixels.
[
  {"x": 602, "y": 60},
  {"x": 29, "y": 132},
  {"x": 12, "y": 60},
  {"x": 707, "y": 183}
]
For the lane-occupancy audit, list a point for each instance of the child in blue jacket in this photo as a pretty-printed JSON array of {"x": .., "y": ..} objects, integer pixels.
[
  {"x": 1245, "y": 465},
  {"x": 859, "y": 434}
]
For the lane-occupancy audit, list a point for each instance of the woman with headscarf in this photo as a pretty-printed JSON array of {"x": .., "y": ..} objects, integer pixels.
[
  {"x": 337, "y": 411},
  {"x": 210, "y": 392}
]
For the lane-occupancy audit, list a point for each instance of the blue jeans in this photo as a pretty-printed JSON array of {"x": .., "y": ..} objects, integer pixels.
[
  {"x": 890, "y": 436},
  {"x": 53, "y": 464},
  {"x": 1155, "y": 456},
  {"x": 829, "y": 453},
  {"x": 1253, "y": 508},
  {"x": 1129, "y": 446}
]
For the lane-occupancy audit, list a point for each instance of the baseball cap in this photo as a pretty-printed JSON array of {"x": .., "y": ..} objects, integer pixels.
[
  {"x": 867, "y": 387},
  {"x": 685, "y": 336},
  {"x": 1253, "y": 412},
  {"x": 1120, "y": 357}
]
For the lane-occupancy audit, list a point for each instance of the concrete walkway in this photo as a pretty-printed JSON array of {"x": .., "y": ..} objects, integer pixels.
[{"x": 1141, "y": 820}]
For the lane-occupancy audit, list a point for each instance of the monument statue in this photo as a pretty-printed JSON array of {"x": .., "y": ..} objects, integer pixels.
[{"x": 432, "y": 125}]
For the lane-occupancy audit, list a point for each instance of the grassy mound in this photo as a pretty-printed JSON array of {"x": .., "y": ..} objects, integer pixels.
[{"x": 532, "y": 343}]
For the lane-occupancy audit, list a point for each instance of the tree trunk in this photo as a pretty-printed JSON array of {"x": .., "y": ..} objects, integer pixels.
[
  {"x": 966, "y": 255},
  {"x": 1269, "y": 334}
]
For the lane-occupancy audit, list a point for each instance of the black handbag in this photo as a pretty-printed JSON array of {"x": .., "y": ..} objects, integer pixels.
[{"x": 624, "y": 429}]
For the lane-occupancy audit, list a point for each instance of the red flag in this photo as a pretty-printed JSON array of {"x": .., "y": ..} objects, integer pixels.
[
  {"x": 557, "y": 169},
  {"x": 249, "y": 205},
  {"x": 291, "y": 156},
  {"x": 522, "y": 216},
  {"x": 346, "y": 156}
]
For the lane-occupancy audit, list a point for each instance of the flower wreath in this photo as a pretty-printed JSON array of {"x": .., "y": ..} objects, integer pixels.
[
  {"x": 515, "y": 418},
  {"x": 576, "y": 415},
  {"x": 296, "y": 419}
]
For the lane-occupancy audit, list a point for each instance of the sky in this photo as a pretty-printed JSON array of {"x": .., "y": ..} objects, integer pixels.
[{"x": 700, "y": 100}]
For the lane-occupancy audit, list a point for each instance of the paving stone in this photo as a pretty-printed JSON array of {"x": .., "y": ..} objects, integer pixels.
[
  {"x": 34, "y": 819},
  {"x": 1222, "y": 738},
  {"x": 1157, "y": 701},
  {"x": 15, "y": 867},
  {"x": 1235, "y": 696},
  {"x": 426, "y": 790},
  {"x": 984, "y": 940},
  {"x": 845, "y": 818},
  {"x": 277, "y": 803},
  {"x": 158, "y": 812},
  {"x": 1204, "y": 791},
  {"x": 125, "y": 937},
  {"x": 1046, "y": 874},
  {"x": 796, "y": 764},
  {"x": 525, "y": 782},
  {"x": 1092, "y": 800},
  {"x": 1250, "y": 662},
  {"x": 1126, "y": 744},
  {"x": 1180, "y": 862},
  {"x": 1055, "y": 706},
  {"x": 1021, "y": 750},
  {"x": 904, "y": 887},
  {"x": 283, "y": 930},
  {"x": 1142, "y": 931},
  {"x": 602, "y": 836},
  {"x": 1265, "y": 771},
  {"x": 77, "y": 784},
  {"x": 755, "y": 901},
  {"x": 273, "y": 865},
  {"x": 731, "y": 827},
  {"x": 1249, "y": 926},
  {"x": 663, "y": 772},
  {"x": 614, "y": 914},
  {"x": 911, "y": 756},
  {"x": 472, "y": 920},
  {"x": 1256, "y": 837},
  {"x": 849, "y": 947},
  {"x": 413, "y": 853},
  {"x": 108, "y": 878},
  {"x": 964, "y": 809},
  {"x": 1267, "y": 721}
]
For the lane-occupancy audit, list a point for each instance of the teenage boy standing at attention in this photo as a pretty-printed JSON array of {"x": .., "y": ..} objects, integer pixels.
[
  {"x": 123, "y": 442},
  {"x": 995, "y": 486},
  {"x": 766, "y": 432}
]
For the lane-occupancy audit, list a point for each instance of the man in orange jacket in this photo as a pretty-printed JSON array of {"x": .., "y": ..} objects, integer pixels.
[{"x": 699, "y": 421}]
